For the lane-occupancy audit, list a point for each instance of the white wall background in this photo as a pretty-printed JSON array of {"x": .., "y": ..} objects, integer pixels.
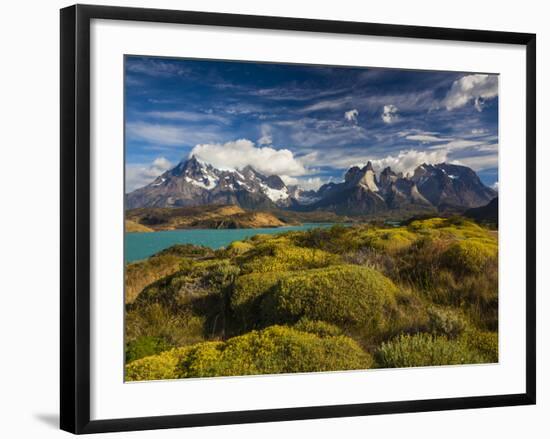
[{"x": 29, "y": 218}]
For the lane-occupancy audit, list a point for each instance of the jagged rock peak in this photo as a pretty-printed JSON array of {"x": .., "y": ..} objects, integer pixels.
[
  {"x": 368, "y": 167},
  {"x": 364, "y": 177},
  {"x": 387, "y": 171},
  {"x": 387, "y": 177}
]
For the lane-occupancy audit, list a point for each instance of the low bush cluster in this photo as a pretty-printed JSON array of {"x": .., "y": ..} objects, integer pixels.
[
  {"x": 428, "y": 350},
  {"x": 145, "y": 346},
  {"x": 280, "y": 255},
  {"x": 277, "y": 349},
  {"x": 346, "y": 295}
]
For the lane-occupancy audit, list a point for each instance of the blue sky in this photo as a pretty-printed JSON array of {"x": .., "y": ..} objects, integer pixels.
[{"x": 308, "y": 124}]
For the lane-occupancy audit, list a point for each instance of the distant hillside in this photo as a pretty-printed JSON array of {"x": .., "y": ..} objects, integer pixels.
[
  {"x": 203, "y": 217},
  {"x": 485, "y": 214},
  {"x": 132, "y": 226}
]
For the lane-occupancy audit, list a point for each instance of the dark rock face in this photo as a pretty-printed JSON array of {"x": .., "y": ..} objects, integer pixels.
[
  {"x": 452, "y": 185},
  {"x": 353, "y": 200},
  {"x": 485, "y": 214},
  {"x": 431, "y": 187}
]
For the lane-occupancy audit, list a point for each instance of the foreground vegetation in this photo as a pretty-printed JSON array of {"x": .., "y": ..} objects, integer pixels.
[{"x": 325, "y": 299}]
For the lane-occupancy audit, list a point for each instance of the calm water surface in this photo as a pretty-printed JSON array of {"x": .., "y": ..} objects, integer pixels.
[{"x": 142, "y": 245}]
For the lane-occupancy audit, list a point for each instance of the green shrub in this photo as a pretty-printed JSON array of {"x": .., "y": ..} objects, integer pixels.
[
  {"x": 485, "y": 342},
  {"x": 280, "y": 255},
  {"x": 422, "y": 261},
  {"x": 425, "y": 350},
  {"x": 145, "y": 346},
  {"x": 248, "y": 291},
  {"x": 469, "y": 256},
  {"x": 156, "y": 367},
  {"x": 410, "y": 317},
  {"x": 446, "y": 322},
  {"x": 335, "y": 239},
  {"x": 177, "y": 328},
  {"x": 387, "y": 240},
  {"x": 450, "y": 228},
  {"x": 277, "y": 349},
  {"x": 477, "y": 295},
  {"x": 346, "y": 295},
  {"x": 187, "y": 251},
  {"x": 195, "y": 278},
  {"x": 426, "y": 224},
  {"x": 317, "y": 327},
  {"x": 221, "y": 275},
  {"x": 239, "y": 247}
]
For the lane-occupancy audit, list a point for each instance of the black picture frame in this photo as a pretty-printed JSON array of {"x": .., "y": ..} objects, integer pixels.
[{"x": 75, "y": 217}]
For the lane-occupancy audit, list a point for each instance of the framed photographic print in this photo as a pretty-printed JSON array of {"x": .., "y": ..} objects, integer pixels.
[{"x": 269, "y": 218}]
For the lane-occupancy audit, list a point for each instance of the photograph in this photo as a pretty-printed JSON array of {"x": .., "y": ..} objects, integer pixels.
[{"x": 297, "y": 218}]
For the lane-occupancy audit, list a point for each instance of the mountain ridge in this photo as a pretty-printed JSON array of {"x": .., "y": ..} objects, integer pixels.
[{"x": 431, "y": 187}]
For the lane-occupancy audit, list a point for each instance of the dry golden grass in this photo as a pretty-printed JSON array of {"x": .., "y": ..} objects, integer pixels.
[
  {"x": 142, "y": 273},
  {"x": 132, "y": 227}
]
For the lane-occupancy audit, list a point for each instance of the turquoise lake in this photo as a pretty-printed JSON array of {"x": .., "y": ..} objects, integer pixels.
[{"x": 142, "y": 245}]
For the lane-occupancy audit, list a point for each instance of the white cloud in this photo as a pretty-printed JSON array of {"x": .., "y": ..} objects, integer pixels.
[
  {"x": 495, "y": 186},
  {"x": 266, "y": 137},
  {"x": 489, "y": 147},
  {"x": 425, "y": 138},
  {"x": 407, "y": 161},
  {"x": 328, "y": 104},
  {"x": 142, "y": 174},
  {"x": 469, "y": 88},
  {"x": 265, "y": 140},
  {"x": 309, "y": 132},
  {"x": 306, "y": 183},
  {"x": 188, "y": 116},
  {"x": 477, "y": 131},
  {"x": 457, "y": 144},
  {"x": 240, "y": 153},
  {"x": 478, "y": 163},
  {"x": 351, "y": 115},
  {"x": 171, "y": 135},
  {"x": 155, "y": 67},
  {"x": 389, "y": 114}
]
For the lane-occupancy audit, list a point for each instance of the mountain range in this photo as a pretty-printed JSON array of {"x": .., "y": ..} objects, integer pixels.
[{"x": 431, "y": 187}]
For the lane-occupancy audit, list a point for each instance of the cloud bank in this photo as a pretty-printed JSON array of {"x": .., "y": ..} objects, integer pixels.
[
  {"x": 306, "y": 183},
  {"x": 407, "y": 161},
  {"x": 240, "y": 153}
]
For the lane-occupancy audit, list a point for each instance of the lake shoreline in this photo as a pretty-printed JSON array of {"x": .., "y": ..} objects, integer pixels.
[
  {"x": 141, "y": 245},
  {"x": 238, "y": 228}
]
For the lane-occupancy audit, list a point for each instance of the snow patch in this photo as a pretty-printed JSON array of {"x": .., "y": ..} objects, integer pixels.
[
  {"x": 211, "y": 183},
  {"x": 274, "y": 194}
]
